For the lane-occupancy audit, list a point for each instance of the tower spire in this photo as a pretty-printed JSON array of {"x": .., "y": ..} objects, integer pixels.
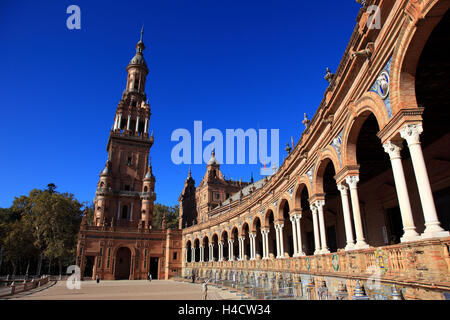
[{"x": 142, "y": 33}]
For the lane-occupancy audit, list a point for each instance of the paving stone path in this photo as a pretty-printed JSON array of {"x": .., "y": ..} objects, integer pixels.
[{"x": 126, "y": 290}]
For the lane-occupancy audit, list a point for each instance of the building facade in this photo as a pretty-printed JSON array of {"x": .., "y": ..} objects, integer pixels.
[
  {"x": 363, "y": 197},
  {"x": 121, "y": 243}
]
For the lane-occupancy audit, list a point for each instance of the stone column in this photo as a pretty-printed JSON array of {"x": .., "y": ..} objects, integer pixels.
[
  {"x": 131, "y": 211},
  {"x": 129, "y": 122},
  {"x": 241, "y": 247},
  {"x": 347, "y": 217},
  {"x": 137, "y": 124},
  {"x": 277, "y": 236},
  {"x": 264, "y": 241},
  {"x": 120, "y": 121},
  {"x": 187, "y": 252},
  {"x": 118, "y": 211},
  {"x": 352, "y": 182},
  {"x": 254, "y": 246},
  {"x": 202, "y": 253},
  {"x": 300, "y": 252},
  {"x": 231, "y": 249},
  {"x": 115, "y": 122},
  {"x": 323, "y": 235},
  {"x": 146, "y": 126},
  {"x": 211, "y": 252},
  {"x": 220, "y": 251},
  {"x": 193, "y": 254},
  {"x": 281, "y": 226},
  {"x": 294, "y": 235},
  {"x": 409, "y": 228},
  {"x": 411, "y": 133},
  {"x": 316, "y": 230}
]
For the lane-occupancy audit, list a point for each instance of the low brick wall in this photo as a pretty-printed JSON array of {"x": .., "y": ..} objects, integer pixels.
[{"x": 421, "y": 269}]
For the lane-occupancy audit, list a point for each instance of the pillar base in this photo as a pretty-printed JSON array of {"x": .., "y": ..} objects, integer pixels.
[
  {"x": 410, "y": 238},
  {"x": 300, "y": 254},
  {"x": 325, "y": 251},
  {"x": 316, "y": 252},
  {"x": 361, "y": 245},
  {"x": 349, "y": 247},
  {"x": 436, "y": 234}
]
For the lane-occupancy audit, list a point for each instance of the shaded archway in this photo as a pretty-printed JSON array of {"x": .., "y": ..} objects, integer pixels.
[
  {"x": 258, "y": 240},
  {"x": 205, "y": 249},
  {"x": 197, "y": 250},
  {"x": 215, "y": 243},
  {"x": 380, "y": 213},
  {"x": 235, "y": 238},
  {"x": 333, "y": 214},
  {"x": 288, "y": 240},
  {"x": 123, "y": 264},
  {"x": 272, "y": 238},
  {"x": 189, "y": 251},
  {"x": 245, "y": 233},
  {"x": 225, "y": 245},
  {"x": 306, "y": 221}
]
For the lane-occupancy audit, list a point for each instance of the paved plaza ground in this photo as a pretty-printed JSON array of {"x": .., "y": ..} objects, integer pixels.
[{"x": 125, "y": 290}]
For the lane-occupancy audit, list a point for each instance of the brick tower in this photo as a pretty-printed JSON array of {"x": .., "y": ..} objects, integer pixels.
[
  {"x": 120, "y": 242},
  {"x": 125, "y": 192}
]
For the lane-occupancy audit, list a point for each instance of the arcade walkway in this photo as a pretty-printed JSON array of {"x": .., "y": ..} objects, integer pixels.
[{"x": 127, "y": 290}]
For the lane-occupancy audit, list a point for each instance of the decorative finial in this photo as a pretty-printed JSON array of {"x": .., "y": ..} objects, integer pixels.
[
  {"x": 288, "y": 148},
  {"x": 142, "y": 33},
  {"x": 306, "y": 121},
  {"x": 251, "y": 179},
  {"x": 189, "y": 174},
  {"x": 329, "y": 76},
  {"x": 213, "y": 153}
]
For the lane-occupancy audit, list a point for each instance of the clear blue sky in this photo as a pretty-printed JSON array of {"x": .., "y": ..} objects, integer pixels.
[{"x": 232, "y": 64}]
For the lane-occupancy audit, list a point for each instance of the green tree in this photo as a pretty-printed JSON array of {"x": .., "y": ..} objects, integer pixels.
[
  {"x": 45, "y": 224},
  {"x": 171, "y": 213}
]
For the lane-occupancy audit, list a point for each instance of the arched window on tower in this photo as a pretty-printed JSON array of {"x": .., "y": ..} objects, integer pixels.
[
  {"x": 136, "y": 83},
  {"x": 124, "y": 212},
  {"x": 145, "y": 189}
]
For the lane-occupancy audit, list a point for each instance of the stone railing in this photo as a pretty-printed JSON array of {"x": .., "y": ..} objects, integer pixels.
[
  {"x": 423, "y": 263},
  {"x": 17, "y": 287}
]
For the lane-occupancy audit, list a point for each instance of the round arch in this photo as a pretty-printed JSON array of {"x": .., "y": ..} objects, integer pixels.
[
  {"x": 326, "y": 157},
  {"x": 270, "y": 209},
  {"x": 369, "y": 104},
  {"x": 297, "y": 205},
  {"x": 412, "y": 40},
  {"x": 281, "y": 204}
]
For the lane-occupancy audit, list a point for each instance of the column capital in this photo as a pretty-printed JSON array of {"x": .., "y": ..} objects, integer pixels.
[
  {"x": 265, "y": 231},
  {"x": 352, "y": 181},
  {"x": 393, "y": 149},
  {"x": 411, "y": 133},
  {"x": 241, "y": 238},
  {"x": 342, "y": 188},
  {"x": 319, "y": 204}
]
